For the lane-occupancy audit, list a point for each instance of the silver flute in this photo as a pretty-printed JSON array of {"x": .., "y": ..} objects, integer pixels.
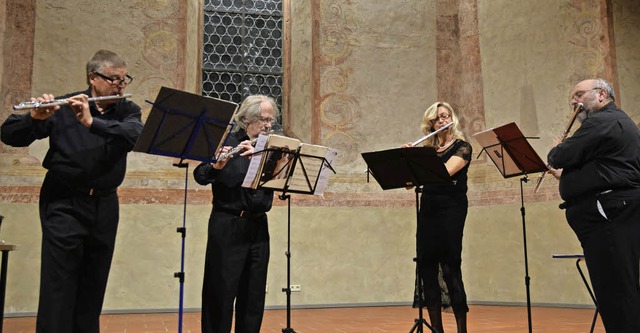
[
  {"x": 38, "y": 105},
  {"x": 239, "y": 148},
  {"x": 234, "y": 150},
  {"x": 431, "y": 134}
]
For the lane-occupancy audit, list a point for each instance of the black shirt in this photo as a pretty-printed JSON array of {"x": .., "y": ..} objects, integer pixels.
[
  {"x": 463, "y": 150},
  {"x": 93, "y": 157},
  {"x": 603, "y": 154},
  {"x": 226, "y": 184}
]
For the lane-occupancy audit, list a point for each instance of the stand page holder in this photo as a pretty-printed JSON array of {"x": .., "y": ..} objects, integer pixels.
[
  {"x": 284, "y": 164},
  {"x": 512, "y": 154},
  {"x": 409, "y": 167},
  {"x": 510, "y": 151},
  {"x": 185, "y": 126}
]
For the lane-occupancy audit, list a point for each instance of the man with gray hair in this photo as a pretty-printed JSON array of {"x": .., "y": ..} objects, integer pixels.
[
  {"x": 237, "y": 254},
  {"x": 599, "y": 172},
  {"x": 79, "y": 209}
]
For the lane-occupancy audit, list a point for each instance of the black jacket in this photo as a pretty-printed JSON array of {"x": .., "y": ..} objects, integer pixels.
[
  {"x": 603, "y": 154},
  {"x": 226, "y": 184}
]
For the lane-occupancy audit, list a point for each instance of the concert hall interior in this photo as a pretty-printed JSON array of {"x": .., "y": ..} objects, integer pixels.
[{"x": 356, "y": 76}]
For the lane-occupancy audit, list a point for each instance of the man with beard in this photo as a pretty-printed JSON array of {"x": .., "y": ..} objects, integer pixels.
[{"x": 599, "y": 172}]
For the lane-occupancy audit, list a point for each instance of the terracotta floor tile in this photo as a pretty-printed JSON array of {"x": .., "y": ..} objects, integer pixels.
[{"x": 393, "y": 319}]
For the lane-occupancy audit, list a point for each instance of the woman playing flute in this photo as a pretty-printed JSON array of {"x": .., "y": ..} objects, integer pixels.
[{"x": 442, "y": 215}]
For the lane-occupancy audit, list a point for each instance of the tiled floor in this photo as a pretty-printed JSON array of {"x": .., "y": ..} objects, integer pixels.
[{"x": 482, "y": 319}]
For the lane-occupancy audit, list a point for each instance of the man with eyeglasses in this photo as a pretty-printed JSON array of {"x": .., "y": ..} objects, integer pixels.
[
  {"x": 237, "y": 254},
  {"x": 79, "y": 208},
  {"x": 599, "y": 172}
]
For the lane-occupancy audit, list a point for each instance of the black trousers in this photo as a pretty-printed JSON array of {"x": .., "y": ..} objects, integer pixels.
[
  {"x": 612, "y": 251},
  {"x": 78, "y": 236},
  {"x": 439, "y": 247},
  {"x": 235, "y": 270}
]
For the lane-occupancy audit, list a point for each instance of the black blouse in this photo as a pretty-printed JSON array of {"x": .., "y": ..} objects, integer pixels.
[{"x": 463, "y": 150}]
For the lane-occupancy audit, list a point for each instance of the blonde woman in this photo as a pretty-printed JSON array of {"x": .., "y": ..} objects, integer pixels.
[{"x": 443, "y": 211}]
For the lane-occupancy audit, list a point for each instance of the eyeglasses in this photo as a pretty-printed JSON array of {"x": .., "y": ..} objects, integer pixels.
[
  {"x": 266, "y": 120},
  {"x": 581, "y": 93},
  {"x": 443, "y": 116},
  {"x": 115, "y": 82}
]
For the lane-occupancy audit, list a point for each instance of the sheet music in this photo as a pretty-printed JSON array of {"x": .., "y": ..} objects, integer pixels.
[
  {"x": 311, "y": 158},
  {"x": 286, "y": 164},
  {"x": 510, "y": 151},
  {"x": 495, "y": 151},
  {"x": 323, "y": 179},
  {"x": 278, "y": 161},
  {"x": 256, "y": 161}
]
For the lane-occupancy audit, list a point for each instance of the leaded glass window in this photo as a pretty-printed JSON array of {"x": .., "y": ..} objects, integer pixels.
[{"x": 242, "y": 49}]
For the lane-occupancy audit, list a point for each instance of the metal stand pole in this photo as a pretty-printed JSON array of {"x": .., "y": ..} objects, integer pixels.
[
  {"x": 526, "y": 259},
  {"x": 183, "y": 233},
  {"x": 417, "y": 327},
  {"x": 287, "y": 290}
]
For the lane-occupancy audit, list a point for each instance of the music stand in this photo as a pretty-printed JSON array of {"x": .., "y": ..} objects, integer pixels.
[
  {"x": 409, "y": 167},
  {"x": 185, "y": 126},
  {"x": 309, "y": 175},
  {"x": 512, "y": 154}
]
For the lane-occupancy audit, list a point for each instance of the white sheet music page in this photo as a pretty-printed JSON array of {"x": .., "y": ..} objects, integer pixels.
[
  {"x": 326, "y": 171},
  {"x": 279, "y": 156},
  {"x": 305, "y": 175},
  {"x": 250, "y": 179}
]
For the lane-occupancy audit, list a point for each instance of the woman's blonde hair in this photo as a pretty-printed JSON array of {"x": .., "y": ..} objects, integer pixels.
[{"x": 429, "y": 119}]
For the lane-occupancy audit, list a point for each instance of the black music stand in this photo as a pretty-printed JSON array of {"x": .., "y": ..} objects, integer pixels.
[
  {"x": 409, "y": 167},
  {"x": 185, "y": 126},
  {"x": 307, "y": 184},
  {"x": 512, "y": 154}
]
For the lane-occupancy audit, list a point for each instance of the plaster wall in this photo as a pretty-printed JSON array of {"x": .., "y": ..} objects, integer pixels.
[
  {"x": 626, "y": 15},
  {"x": 361, "y": 75}
]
